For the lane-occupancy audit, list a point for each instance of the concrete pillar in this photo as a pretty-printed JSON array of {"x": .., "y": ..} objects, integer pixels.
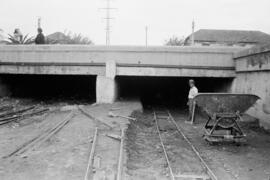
[
  {"x": 106, "y": 90},
  {"x": 106, "y": 86}
]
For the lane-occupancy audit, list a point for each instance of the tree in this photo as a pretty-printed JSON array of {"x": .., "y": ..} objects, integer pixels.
[
  {"x": 1, "y": 34},
  {"x": 175, "y": 41},
  {"x": 73, "y": 38},
  {"x": 68, "y": 38}
]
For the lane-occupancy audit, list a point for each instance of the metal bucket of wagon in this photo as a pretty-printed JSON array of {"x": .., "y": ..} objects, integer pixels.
[{"x": 224, "y": 111}]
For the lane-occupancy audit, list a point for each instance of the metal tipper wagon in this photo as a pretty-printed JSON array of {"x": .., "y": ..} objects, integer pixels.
[{"x": 223, "y": 111}]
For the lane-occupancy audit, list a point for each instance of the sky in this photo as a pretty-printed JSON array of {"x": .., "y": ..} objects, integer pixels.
[{"x": 164, "y": 18}]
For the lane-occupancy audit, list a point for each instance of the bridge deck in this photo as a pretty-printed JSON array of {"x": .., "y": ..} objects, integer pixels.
[{"x": 130, "y": 60}]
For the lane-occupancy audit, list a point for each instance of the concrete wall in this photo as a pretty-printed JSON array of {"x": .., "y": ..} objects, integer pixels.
[
  {"x": 130, "y": 60},
  {"x": 253, "y": 76}
]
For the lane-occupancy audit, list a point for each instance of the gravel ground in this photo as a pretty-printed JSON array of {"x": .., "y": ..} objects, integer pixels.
[
  {"x": 246, "y": 162},
  {"x": 145, "y": 158},
  {"x": 65, "y": 154}
]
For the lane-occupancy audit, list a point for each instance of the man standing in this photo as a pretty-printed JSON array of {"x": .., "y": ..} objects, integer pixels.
[
  {"x": 18, "y": 36},
  {"x": 192, "y": 93},
  {"x": 40, "y": 39}
]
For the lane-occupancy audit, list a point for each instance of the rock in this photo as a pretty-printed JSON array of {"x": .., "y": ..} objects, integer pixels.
[{"x": 68, "y": 108}]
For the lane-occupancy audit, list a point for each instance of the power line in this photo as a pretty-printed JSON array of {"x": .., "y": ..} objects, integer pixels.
[{"x": 108, "y": 21}]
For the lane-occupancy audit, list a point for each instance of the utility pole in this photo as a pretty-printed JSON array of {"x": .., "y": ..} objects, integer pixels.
[
  {"x": 192, "y": 35},
  {"x": 146, "y": 35},
  {"x": 108, "y": 18},
  {"x": 39, "y": 22},
  {"x": 108, "y": 21}
]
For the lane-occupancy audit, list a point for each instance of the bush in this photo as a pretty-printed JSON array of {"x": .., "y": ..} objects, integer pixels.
[{"x": 175, "y": 41}]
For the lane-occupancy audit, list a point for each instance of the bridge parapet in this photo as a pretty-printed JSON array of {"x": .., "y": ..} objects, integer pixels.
[
  {"x": 254, "y": 59},
  {"x": 130, "y": 60}
]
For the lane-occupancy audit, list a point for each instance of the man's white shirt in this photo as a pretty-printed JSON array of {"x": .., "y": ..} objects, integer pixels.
[{"x": 192, "y": 92}]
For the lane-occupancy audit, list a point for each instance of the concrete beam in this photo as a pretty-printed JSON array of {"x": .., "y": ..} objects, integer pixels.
[
  {"x": 25, "y": 58},
  {"x": 60, "y": 69},
  {"x": 174, "y": 72}
]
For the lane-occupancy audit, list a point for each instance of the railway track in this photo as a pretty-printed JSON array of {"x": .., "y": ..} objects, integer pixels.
[
  {"x": 46, "y": 134},
  {"x": 94, "y": 168},
  {"x": 100, "y": 153},
  {"x": 192, "y": 165}
]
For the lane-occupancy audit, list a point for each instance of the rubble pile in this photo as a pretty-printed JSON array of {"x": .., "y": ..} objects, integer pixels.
[{"x": 14, "y": 111}]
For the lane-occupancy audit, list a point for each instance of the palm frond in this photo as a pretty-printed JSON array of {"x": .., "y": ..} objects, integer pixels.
[
  {"x": 14, "y": 41},
  {"x": 24, "y": 40}
]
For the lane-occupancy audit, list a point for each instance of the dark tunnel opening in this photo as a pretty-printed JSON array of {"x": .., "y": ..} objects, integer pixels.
[
  {"x": 169, "y": 91},
  {"x": 61, "y": 88}
]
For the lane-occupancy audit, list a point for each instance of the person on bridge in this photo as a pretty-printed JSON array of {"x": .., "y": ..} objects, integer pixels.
[
  {"x": 192, "y": 93},
  {"x": 40, "y": 39},
  {"x": 18, "y": 36}
]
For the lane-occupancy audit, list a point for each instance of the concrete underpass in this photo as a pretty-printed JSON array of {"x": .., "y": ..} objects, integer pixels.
[
  {"x": 167, "y": 90},
  {"x": 149, "y": 90},
  {"x": 51, "y": 87},
  {"x": 64, "y": 108}
]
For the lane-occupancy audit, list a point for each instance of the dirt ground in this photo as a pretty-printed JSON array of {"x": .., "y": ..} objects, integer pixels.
[
  {"x": 145, "y": 159},
  {"x": 65, "y": 155},
  {"x": 249, "y": 161},
  {"x": 228, "y": 161}
]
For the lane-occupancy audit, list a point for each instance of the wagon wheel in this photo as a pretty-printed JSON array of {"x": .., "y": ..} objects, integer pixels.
[{"x": 227, "y": 123}]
